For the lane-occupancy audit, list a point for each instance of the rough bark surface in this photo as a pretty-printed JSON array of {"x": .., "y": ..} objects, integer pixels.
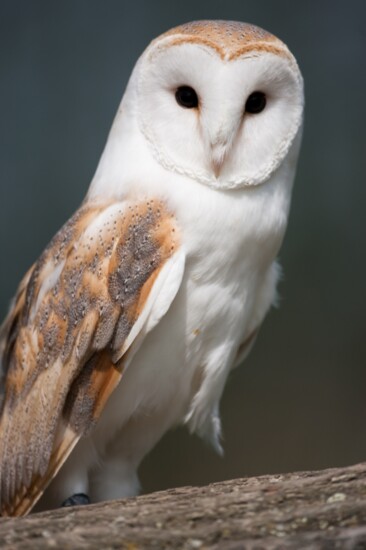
[{"x": 325, "y": 509}]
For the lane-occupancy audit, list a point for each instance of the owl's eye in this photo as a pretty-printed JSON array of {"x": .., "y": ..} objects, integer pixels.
[
  {"x": 186, "y": 97},
  {"x": 256, "y": 102}
]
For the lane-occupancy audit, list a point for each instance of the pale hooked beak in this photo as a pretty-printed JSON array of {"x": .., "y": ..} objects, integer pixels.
[
  {"x": 220, "y": 142},
  {"x": 218, "y": 155}
]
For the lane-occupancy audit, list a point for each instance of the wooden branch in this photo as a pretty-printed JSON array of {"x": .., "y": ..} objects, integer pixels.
[{"x": 311, "y": 510}]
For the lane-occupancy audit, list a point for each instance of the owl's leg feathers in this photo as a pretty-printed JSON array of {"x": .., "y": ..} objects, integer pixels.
[
  {"x": 71, "y": 485},
  {"x": 116, "y": 479},
  {"x": 116, "y": 475}
]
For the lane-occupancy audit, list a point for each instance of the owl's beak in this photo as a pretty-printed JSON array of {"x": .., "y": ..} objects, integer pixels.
[
  {"x": 221, "y": 137},
  {"x": 218, "y": 155}
]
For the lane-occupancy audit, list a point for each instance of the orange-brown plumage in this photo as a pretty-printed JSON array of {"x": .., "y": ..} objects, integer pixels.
[
  {"x": 230, "y": 39},
  {"x": 64, "y": 340}
]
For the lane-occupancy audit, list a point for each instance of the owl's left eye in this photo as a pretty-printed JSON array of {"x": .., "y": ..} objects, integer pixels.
[
  {"x": 256, "y": 102},
  {"x": 186, "y": 97}
]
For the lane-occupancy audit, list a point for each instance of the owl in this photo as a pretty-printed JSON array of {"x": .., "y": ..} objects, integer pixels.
[{"x": 134, "y": 315}]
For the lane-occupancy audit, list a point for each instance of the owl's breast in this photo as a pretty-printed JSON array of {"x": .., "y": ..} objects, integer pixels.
[{"x": 179, "y": 372}]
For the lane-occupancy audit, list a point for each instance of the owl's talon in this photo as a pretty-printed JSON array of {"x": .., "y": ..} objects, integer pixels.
[{"x": 79, "y": 499}]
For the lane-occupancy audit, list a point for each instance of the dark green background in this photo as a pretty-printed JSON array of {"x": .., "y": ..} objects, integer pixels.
[{"x": 300, "y": 400}]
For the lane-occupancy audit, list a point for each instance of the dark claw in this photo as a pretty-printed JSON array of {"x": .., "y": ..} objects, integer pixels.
[{"x": 78, "y": 499}]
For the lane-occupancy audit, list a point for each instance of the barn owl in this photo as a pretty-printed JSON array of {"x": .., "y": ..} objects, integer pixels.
[{"x": 132, "y": 318}]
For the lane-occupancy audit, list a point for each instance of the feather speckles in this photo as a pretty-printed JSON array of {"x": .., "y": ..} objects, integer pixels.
[{"x": 63, "y": 340}]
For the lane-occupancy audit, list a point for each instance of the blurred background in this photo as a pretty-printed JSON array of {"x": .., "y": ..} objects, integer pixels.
[{"x": 299, "y": 402}]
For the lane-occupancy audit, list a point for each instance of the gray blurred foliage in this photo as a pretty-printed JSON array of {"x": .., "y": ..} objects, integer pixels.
[{"x": 299, "y": 402}]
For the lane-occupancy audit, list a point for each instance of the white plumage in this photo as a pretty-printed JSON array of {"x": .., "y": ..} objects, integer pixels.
[{"x": 177, "y": 241}]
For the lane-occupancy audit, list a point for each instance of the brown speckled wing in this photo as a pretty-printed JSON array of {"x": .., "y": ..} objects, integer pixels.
[{"x": 64, "y": 343}]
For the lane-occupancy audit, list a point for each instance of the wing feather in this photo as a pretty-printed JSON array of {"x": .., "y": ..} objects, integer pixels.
[{"x": 64, "y": 344}]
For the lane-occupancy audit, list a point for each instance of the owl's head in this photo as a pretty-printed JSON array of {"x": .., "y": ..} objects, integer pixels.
[{"x": 219, "y": 101}]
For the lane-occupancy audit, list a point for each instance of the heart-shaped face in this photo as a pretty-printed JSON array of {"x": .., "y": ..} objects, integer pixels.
[{"x": 219, "y": 102}]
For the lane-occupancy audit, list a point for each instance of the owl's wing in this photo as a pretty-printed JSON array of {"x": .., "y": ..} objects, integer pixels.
[{"x": 105, "y": 280}]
